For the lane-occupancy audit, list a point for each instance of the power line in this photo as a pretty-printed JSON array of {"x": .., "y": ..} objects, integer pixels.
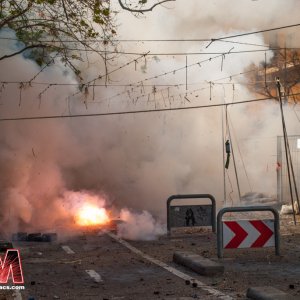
[
  {"x": 220, "y": 54},
  {"x": 87, "y": 83},
  {"x": 255, "y": 32},
  {"x": 142, "y": 85},
  {"x": 244, "y": 43},
  {"x": 135, "y": 111},
  {"x": 145, "y": 85},
  {"x": 139, "y": 84},
  {"x": 94, "y": 85},
  {"x": 169, "y": 40},
  {"x": 144, "y": 94},
  {"x": 184, "y": 53},
  {"x": 114, "y": 40}
]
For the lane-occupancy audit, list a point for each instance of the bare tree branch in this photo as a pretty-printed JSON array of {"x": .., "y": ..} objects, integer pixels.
[
  {"x": 69, "y": 25},
  {"x": 12, "y": 17},
  {"x": 22, "y": 50},
  {"x": 65, "y": 10},
  {"x": 142, "y": 10}
]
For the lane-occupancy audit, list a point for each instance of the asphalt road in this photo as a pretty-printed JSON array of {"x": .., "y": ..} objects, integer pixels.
[
  {"x": 96, "y": 265},
  {"x": 99, "y": 268}
]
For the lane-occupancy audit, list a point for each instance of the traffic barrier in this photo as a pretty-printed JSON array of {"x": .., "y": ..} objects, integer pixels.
[
  {"x": 247, "y": 233},
  {"x": 191, "y": 215}
]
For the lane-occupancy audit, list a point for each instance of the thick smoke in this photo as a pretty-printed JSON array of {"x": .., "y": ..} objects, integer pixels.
[
  {"x": 139, "y": 226},
  {"x": 137, "y": 161},
  {"x": 202, "y": 19}
]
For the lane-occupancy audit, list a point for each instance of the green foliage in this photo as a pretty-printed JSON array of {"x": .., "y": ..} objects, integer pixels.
[
  {"x": 25, "y": 35},
  {"x": 66, "y": 26},
  {"x": 105, "y": 12}
]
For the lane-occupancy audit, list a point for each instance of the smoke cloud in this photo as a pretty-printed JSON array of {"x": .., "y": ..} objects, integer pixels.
[
  {"x": 139, "y": 226},
  {"x": 139, "y": 160}
]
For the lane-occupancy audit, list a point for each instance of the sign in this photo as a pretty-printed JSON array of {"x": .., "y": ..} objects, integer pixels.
[
  {"x": 248, "y": 234},
  {"x": 11, "y": 267},
  {"x": 190, "y": 215}
]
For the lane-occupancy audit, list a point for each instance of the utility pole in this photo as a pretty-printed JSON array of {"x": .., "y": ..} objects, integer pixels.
[{"x": 288, "y": 156}]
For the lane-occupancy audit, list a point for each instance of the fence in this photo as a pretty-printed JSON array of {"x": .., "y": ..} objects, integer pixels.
[{"x": 283, "y": 192}]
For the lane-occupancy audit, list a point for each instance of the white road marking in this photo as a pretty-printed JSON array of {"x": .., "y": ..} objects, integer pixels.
[
  {"x": 68, "y": 249},
  {"x": 94, "y": 275},
  {"x": 203, "y": 286},
  {"x": 17, "y": 295}
]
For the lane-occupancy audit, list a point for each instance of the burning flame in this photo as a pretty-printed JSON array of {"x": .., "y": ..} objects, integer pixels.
[{"x": 89, "y": 215}]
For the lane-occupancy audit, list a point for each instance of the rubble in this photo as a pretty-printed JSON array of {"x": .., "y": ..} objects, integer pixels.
[
  {"x": 288, "y": 209},
  {"x": 252, "y": 198}
]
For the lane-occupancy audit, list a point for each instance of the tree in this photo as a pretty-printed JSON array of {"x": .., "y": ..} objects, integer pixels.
[
  {"x": 68, "y": 28},
  {"x": 62, "y": 26},
  {"x": 140, "y": 7},
  {"x": 285, "y": 64}
]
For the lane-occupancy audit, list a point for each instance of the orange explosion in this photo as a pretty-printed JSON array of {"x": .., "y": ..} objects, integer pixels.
[{"x": 91, "y": 215}]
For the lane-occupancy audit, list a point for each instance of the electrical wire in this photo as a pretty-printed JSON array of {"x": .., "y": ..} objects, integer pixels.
[
  {"x": 136, "y": 83},
  {"x": 257, "y": 31},
  {"x": 240, "y": 152},
  {"x": 171, "y": 40},
  {"x": 181, "y": 53},
  {"x": 135, "y": 111}
]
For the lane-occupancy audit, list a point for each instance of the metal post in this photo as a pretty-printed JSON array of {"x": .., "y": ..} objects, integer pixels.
[
  {"x": 279, "y": 170},
  {"x": 286, "y": 145},
  {"x": 223, "y": 152},
  {"x": 233, "y": 157}
]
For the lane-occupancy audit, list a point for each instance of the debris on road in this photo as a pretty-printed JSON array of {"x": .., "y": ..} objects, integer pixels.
[{"x": 288, "y": 209}]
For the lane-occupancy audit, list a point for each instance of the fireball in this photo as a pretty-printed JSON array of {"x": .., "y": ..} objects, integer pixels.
[{"x": 91, "y": 215}]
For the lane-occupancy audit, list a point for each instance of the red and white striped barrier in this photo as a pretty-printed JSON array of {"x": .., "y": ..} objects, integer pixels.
[{"x": 248, "y": 234}]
